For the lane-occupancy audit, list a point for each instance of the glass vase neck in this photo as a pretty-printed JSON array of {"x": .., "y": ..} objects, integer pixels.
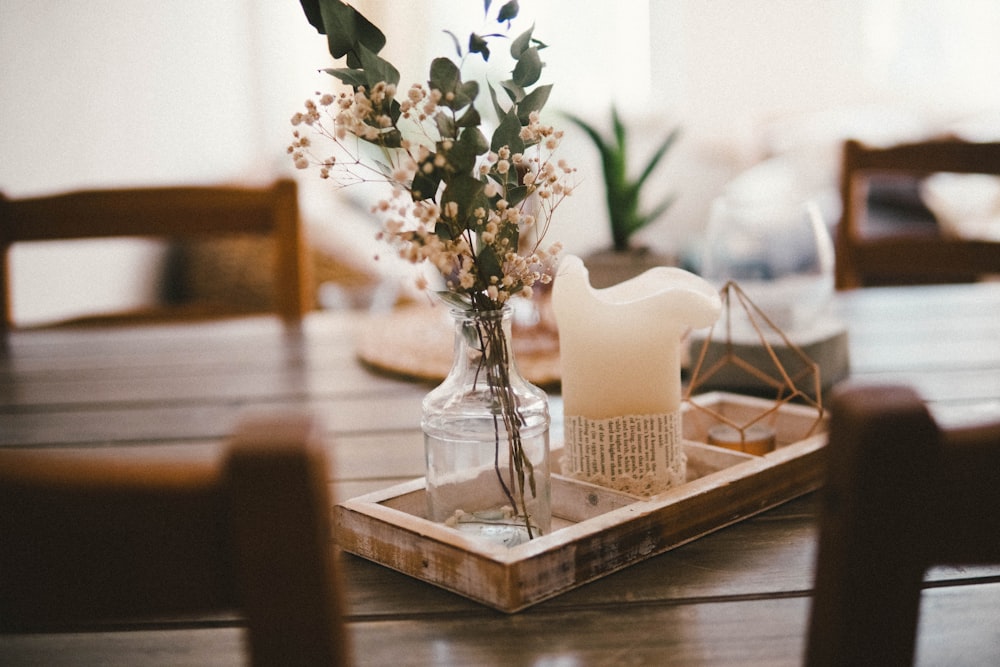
[{"x": 483, "y": 345}]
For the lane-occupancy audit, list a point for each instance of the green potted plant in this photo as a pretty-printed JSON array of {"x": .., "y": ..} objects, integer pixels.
[{"x": 623, "y": 196}]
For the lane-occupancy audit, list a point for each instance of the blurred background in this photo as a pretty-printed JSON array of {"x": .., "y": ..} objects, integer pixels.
[{"x": 142, "y": 92}]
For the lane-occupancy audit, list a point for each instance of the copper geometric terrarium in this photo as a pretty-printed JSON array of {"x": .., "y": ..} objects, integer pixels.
[{"x": 788, "y": 376}]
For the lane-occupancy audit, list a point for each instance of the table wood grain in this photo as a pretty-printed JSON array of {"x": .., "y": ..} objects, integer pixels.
[{"x": 738, "y": 596}]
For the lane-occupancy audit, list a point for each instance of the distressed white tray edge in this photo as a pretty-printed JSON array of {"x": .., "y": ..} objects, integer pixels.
[{"x": 495, "y": 575}]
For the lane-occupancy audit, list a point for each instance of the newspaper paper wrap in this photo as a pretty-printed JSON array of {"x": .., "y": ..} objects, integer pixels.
[{"x": 637, "y": 454}]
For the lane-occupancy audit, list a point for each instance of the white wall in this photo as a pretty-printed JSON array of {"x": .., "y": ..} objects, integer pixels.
[{"x": 145, "y": 91}]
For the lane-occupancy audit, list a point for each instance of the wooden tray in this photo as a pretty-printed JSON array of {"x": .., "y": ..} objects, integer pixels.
[{"x": 596, "y": 531}]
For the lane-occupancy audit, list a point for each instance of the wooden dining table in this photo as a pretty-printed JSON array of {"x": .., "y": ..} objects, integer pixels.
[{"x": 737, "y": 596}]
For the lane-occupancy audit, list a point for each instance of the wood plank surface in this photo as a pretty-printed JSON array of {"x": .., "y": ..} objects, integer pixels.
[
  {"x": 957, "y": 629},
  {"x": 737, "y": 596}
]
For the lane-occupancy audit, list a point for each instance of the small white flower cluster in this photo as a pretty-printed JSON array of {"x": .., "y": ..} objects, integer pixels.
[
  {"x": 364, "y": 116},
  {"x": 490, "y": 252}
]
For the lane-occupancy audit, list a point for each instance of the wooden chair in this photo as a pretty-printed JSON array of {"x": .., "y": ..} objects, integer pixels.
[
  {"x": 901, "y": 495},
  {"x": 908, "y": 254},
  {"x": 174, "y": 213},
  {"x": 84, "y": 541}
]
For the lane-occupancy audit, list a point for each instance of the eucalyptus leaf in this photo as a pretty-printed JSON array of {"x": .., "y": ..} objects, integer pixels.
[
  {"x": 444, "y": 75},
  {"x": 314, "y": 15},
  {"x": 443, "y": 231},
  {"x": 454, "y": 39},
  {"x": 475, "y": 140},
  {"x": 445, "y": 123},
  {"x": 508, "y": 11},
  {"x": 478, "y": 44},
  {"x": 462, "y": 189},
  {"x": 478, "y": 200},
  {"x": 390, "y": 138},
  {"x": 516, "y": 194},
  {"x": 466, "y": 94},
  {"x": 459, "y": 301},
  {"x": 470, "y": 118},
  {"x": 425, "y": 184},
  {"x": 507, "y": 180},
  {"x": 354, "y": 78},
  {"x": 512, "y": 235},
  {"x": 497, "y": 109},
  {"x": 377, "y": 68},
  {"x": 515, "y": 92},
  {"x": 463, "y": 154},
  {"x": 395, "y": 111},
  {"x": 488, "y": 263},
  {"x": 344, "y": 26},
  {"x": 528, "y": 69},
  {"x": 521, "y": 43},
  {"x": 533, "y": 101},
  {"x": 508, "y": 133}
]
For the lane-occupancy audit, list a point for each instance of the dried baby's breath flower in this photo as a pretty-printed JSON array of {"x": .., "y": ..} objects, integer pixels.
[{"x": 477, "y": 215}]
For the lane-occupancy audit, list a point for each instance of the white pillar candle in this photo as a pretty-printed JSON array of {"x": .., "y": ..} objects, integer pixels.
[
  {"x": 620, "y": 346},
  {"x": 620, "y": 350}
]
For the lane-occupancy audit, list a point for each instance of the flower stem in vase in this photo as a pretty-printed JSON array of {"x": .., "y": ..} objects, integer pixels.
[{"x": 486, "y": 438}]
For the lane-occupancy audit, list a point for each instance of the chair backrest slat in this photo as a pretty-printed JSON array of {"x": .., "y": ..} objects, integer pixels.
[
  {"x": 174, "y": 214},
  {"x": 88, "y": 540},
  {"x": 904, "y": 255},
  {"x": 901, "y": 495}
]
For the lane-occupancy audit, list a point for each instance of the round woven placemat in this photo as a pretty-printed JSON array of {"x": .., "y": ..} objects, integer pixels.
[{"x": 418, "y": 342}]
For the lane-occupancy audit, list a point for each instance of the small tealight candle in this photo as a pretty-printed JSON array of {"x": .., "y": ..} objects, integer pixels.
[
  {"x": 757, "y": 439},
  {"x": 620, "y": 350}
]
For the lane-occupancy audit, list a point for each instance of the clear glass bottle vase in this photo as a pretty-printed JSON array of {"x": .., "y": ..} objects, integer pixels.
[{"x": 486, "y": 438}]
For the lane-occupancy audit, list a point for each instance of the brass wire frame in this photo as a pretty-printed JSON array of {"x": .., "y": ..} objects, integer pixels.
[{"x": 786, "y": 385}]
